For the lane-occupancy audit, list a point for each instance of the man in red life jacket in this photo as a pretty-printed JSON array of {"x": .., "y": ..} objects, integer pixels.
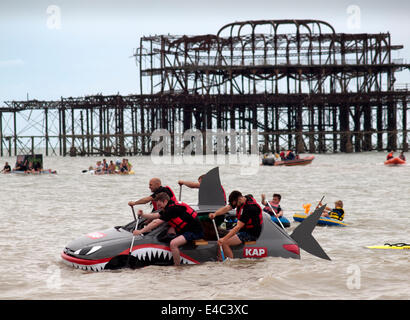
[
  {"x": 274, "y": 204},
  {"x": 156, "y": 188},
  {"x": 182, "y": 219},
  {"x": 390, "y": 155},
  {"x": 249, "y": 225}
]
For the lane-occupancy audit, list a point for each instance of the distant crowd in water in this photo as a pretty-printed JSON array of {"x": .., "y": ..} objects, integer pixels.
[{"x": 117, "y": 167}]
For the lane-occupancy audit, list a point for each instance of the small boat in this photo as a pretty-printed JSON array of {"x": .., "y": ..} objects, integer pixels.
[
  {"x": 323, "y": 221},
  {"x": 115, "y": 248},
  {"x": 394, "y": 246},
  {"x": 395, "y": 161},
  {"x": 271, "y": 161},
  {"x": 36, "y": 161}
]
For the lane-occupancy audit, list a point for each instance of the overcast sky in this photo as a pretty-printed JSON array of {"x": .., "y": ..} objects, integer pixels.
[{"x": 89, "y": 49}]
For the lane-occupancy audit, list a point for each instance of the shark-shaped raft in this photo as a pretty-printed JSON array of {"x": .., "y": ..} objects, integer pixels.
[{"x": 111, "y": 248}]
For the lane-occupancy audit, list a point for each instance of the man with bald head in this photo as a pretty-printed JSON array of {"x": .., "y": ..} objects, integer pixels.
[{"x": 156, "y": 187}]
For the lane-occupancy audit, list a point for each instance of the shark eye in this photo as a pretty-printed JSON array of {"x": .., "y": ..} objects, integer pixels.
[{"x": 87, "y": 250}]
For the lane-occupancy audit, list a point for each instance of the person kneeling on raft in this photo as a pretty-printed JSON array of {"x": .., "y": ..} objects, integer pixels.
[
  {"x": 337, "y": 212},
  {"x": 249, "y": 225},
  {"x": 182, "y": 219}
]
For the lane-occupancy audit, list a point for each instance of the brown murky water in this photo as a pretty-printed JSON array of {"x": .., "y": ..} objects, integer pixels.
[{"x": 41, "y": 214}]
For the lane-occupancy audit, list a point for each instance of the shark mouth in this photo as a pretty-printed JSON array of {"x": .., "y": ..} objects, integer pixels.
[
  {"x": 158, "y": 254},
  {"x": 87, "y": 265},
  {"x": 142, "y": 255}
]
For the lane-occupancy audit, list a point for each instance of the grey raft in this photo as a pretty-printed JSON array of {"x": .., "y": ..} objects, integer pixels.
[{"x": 110, "y": 248}]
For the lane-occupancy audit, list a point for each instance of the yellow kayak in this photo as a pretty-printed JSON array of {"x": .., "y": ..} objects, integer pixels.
[{"x": 399, "y": 246}]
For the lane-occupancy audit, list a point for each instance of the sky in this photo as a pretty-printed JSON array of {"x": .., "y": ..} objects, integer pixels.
[{"x": 70, "y": 48}]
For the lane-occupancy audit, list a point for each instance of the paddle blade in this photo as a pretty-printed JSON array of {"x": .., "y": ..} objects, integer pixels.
[{"x": 303, "y": 235}]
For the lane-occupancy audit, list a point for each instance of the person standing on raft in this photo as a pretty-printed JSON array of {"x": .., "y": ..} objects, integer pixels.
[
  {"x": 249, "y": 225},
  {"x": 156, "y": 187},
  {"x": 183, "y": 221},
  {"x": 274, "y": 204}
]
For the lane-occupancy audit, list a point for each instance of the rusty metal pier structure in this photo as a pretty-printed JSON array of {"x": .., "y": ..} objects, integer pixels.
[{"x": 299, "y": 83}]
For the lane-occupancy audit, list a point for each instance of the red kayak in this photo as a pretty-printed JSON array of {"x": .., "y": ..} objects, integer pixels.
[
  {"x": 295, "y": 162},
  {"x": 395, "y": 161}
]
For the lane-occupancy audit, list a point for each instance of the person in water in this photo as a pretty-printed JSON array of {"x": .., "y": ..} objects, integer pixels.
[
  {"x": 337, "y": 212},
  {"x": 111, "y": 167},
  {"x": 402, "y": 156},
  {"x": 182, "y": 219},
  {"x": 249, "y": 225},
  {"x": 156, "y": 187},
  {"x": 6, "y": 168},
  {"x": 20, "y": 166},
  {"x": 289, "y": 155},
  {"x": 390, "y": 155},
  {"x": 274, "y": 204}
]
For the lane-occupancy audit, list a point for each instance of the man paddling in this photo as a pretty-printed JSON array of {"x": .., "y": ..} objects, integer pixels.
[
  {"x": 156, "y": 187},
  {"x": 249, "y": 225},
  {"x": 182, "y": 219}
]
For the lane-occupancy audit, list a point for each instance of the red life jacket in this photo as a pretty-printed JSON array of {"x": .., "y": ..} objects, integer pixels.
[
  {"x": 249, "y": 201},
  {"x": 171, "y": 196},
  {"x": 180, "y": 222},
  {"x": 275, "y": 207}
]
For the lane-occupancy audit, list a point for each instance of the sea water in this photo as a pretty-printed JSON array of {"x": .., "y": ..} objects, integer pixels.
[{"x": 41, "y": 214}]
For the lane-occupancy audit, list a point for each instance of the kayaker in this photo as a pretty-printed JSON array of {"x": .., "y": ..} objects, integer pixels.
[
  {"x": 401, "y": 156},
  {"x": 389, "y": 155},
  {"x": 182, "y": 219},
  {"x": 337, "y": 212},
  {"x": 274, "y": 204},
  {"x": 156, "y": 187},
  {"x": 249, "y": 225}
]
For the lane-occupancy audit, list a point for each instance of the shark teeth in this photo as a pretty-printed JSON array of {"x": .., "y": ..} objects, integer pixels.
[
  {"x": 151, "y": 254},
  {"x": 93, "y": 267}
]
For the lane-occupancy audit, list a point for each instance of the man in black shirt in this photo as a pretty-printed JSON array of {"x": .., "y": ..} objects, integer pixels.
[
  {"x": 6, "y": 168},
  {"x": 249, "y": 226},
  {"x": 183, "y": 220},
  {"x": 156, "y": 188}
]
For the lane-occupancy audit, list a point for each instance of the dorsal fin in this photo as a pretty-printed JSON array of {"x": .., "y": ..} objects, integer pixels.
[{"x": 211, "y": 193}]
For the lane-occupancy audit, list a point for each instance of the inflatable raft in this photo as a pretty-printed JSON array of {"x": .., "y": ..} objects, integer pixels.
[
  {"x": 323, "y": 221},
  {"x": 285, "y": 222},
  {"x": 116, "y": 247},
  {"x": 394, "y": 161}
]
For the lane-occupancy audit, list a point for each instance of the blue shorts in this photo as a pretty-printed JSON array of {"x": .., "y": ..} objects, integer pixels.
[
  {"x": 246, "y": 237},
  {"x": 190, "y": 236}
]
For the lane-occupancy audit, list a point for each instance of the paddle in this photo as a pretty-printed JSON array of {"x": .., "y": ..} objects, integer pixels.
[
  {"x": 320, "y": 202},
  {"x": 180, "y": 192},
  {"x": 133, "y": 237},
  {"x": 275, "y": 215},
  {"x": 217, "y": 237}
]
